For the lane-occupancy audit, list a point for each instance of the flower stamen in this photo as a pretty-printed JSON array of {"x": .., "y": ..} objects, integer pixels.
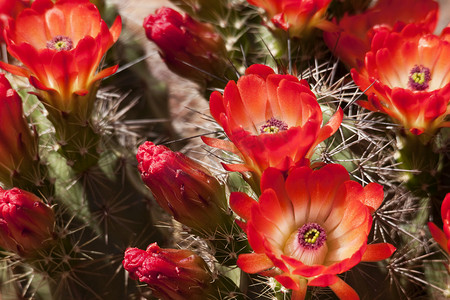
[
  {"x": 419, "y": 77},
  {"x": 60, "y": 43},
  {"x": 311, "y": 236},
  {"x": 273, "y": 126}
]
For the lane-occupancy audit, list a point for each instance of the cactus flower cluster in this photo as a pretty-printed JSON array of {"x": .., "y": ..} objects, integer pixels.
[{"x": 318, "y": 169}]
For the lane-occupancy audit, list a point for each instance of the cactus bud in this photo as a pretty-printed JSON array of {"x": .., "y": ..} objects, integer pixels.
[
  {"x": 190, "y": 48},
  {"x": 172, "y": 274},
  {"x": 26, "y": 222},
  {"x": 183, "y": 188},
  {"x": 18, "y": 144}
]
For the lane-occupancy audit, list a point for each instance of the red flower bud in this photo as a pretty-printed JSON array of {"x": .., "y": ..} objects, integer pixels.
[
  {"x": 172, "y": 274},
  {"x": 186, "y": 44},
  {"x": 26, "y": 222},
  {"x": 183, "y": 188},
  {"x": 18, "y": 144}
]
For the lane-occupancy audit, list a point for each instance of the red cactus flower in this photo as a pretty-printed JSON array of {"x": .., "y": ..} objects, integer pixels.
[
  {"x": 172, "y": 274},
  {"x": 307, "y": 228},
  {"x": 443, "y": 237},
  {"x": 26, "y": 222},
  {"x": 272, "y": 120},
  {"x": 406, "y": 75},
  {"x": 189, "y": 48},
  {"x": 18, "y": 144},
  {"x": 60, "y": 46},
  {"x": 352, "y": 40},
  {"x": 183, "y": 188},
  {"x": 296, "y": 16}
]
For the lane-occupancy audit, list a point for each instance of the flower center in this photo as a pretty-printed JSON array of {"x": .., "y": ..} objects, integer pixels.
[
  {"x": 311, "y": 236},
  {"x": 60, "y": 42},
  {"x": 273, "y": 126},
  {"x": 419, "y": 76}
]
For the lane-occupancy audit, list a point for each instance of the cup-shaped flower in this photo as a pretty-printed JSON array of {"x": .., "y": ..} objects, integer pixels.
[
  {"x": 298, "y": 17},
  {"x": 407, "y": 76},
  {"x": 308, "y": 227},
  {"x": 173, "y": 274},
  {"x": 271, "y": 120},
  {"x": 18, "y": 144},
  {"x": 353, "y": 38},
  {"x": 190, "y": 48},
  {"x": 183, "y": 188},
  {"x": 26, "y": 222},
  {"x": 60, "y": 46},
  {"x": 442, "y": 237}
]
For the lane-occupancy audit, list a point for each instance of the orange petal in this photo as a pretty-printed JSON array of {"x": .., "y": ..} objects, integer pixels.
[
  {"x": 438, "y": 236},
  {"x": 241, "y": 204},
  {"x": 254, "y": 263},
  {"x": 343, "y": 290},
  {"x": 376, "y": 252}
]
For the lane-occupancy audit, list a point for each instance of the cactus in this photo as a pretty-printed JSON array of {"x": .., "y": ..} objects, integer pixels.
[{"x": 301, "y": 184}]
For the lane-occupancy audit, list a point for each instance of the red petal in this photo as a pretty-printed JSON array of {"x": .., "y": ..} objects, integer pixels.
[
  {"x": 216, "y": 105},
  {"x": 438, "y": 236},
  {"x": 300, "y": 294},
  {"x": 105, "y": 73},
  {"x": 253, "y": 92},
  {"x": 220, "y": 144},
  {"x": 329, "y": 129},
  {"x": 14, "y": 69},
  {"x": 254, "y": 263},
  {"x": 325, "y": 280},
  {"x": 116, "y": 28},
  {"x": 236, "y": 168},
  {"x": 376, "y": 252},
  {"x": 287, "y": 282},
  {"x": 241, "y": 204},
  {"x": 373, "y": 196},
  {"x": 261, "y": 70},
  {"x": 273, "y": 179},
  {"x": 343, "y": 290}
]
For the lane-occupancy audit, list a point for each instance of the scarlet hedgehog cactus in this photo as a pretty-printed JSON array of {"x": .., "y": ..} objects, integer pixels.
[
  {"x": 60, "y": 46},
  {"x": 298, "y": 17},
  {"x": 352, "y": 39},
  {"x": 406, "y": 75},
  {"x": 272, "y": 120},
  {"x": 26, "y": 222},
  {"x": 308, "y": 227}
]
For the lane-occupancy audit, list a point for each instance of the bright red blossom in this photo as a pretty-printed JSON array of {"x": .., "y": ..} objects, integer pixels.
[
  {"x": 443, "y": 237},
  {"x": 407, "y": 76},
  {"x": 296, "y": 16},
  {"x": 61, "y": 45},
  {"x": 353, "y": 38},
  {"x": 272, "y": 120},
  {"x": 26, "y": 222},
  {"x": 309, "y": 227},
  {"x": 172, "y": 274}
]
